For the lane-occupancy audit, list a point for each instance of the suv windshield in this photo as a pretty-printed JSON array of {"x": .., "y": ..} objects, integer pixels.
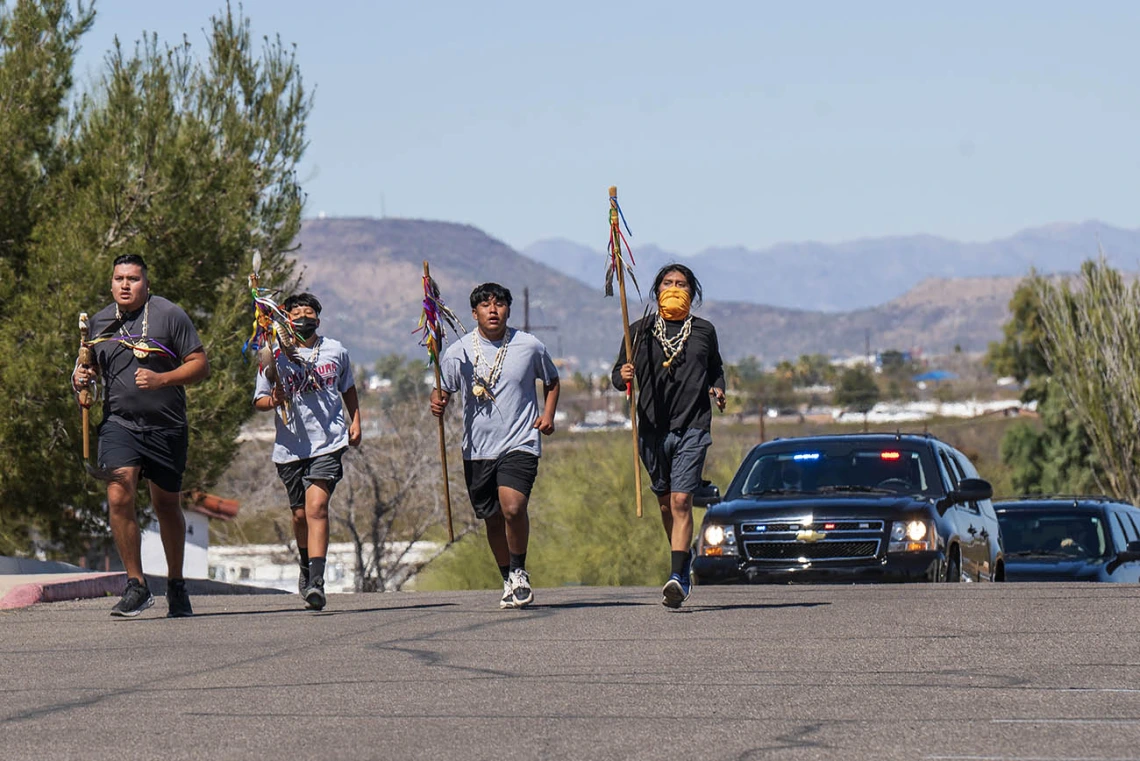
[
  {"x": 863, "y": 469},
  {"x": 1049, "y": 533}
]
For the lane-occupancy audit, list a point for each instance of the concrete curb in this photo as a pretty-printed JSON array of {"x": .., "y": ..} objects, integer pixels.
[{"x": 78, "y": 587}]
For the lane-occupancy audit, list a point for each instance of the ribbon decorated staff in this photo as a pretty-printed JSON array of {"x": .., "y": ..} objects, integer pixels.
[
  {"x": 435, "y": 319},
  {"x": 617, "y": 265},
  {"x": 271, "y": 327}
]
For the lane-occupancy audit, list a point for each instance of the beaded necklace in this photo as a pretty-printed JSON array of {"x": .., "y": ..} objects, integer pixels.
[
  {"x": 139, "y": 348},
  {"x": 675, "y": 345},
  {"x": 484, "y": 382}
]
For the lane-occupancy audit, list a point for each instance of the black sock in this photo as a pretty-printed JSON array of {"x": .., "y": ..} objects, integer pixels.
[
  {"x": 316, "y": 570},
  {"x": 505, "y": 570},
  {"x": 518, "y": 561},
  {"x": 304, "y": 553},
  {"x": 679, "y": 559}
]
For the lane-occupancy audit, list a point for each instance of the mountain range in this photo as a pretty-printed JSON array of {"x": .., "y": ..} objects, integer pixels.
[
  {"x": 819, "y": 298},
  {"x": 863, "y": 273}
]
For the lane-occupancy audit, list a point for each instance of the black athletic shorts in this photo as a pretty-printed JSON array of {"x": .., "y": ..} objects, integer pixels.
[
  {"x": 515, "y": 470},
  {"x": 161, "y": 453},
  {"x": 299, "y": 475}
]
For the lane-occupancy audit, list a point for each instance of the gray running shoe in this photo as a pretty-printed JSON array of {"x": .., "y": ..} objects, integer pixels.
[
  {"x": 136, "y": 598},
  {"x": 315, "y": 596}
]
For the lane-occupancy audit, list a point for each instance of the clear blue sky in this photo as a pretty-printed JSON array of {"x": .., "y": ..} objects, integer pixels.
[{"x": 742, "y": 123}]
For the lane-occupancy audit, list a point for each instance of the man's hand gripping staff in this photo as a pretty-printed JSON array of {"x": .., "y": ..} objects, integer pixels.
[{"x": 271, "y": 326}]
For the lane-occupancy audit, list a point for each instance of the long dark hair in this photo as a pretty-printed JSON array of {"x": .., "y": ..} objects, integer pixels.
[{"x": 694, "y": 285}]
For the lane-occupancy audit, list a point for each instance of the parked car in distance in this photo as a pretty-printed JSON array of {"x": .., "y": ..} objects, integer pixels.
[
  {"x": 851, "y": 508},
  {"x": 1070, "y": 539}
]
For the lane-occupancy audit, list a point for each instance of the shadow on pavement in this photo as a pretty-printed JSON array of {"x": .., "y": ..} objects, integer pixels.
[{"x": 750, "y": 606}]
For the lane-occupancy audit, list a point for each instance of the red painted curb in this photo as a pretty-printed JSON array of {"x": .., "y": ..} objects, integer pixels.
[{"x": 79, "y": 587}]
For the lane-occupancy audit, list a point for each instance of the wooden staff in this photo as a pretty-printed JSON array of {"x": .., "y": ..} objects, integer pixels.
[
  {"x": 442, "y": 437},
  {"x": 631, "y": 394},
  {"x": 87, "y": 359}
]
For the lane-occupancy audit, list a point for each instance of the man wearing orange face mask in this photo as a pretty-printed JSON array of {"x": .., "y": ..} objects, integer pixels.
[{"x": 676, "y": 359}]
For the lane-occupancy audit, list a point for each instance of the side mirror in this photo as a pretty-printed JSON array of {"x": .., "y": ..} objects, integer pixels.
[
  {"x": 1128, "y": 555},
  {"x": 969, "y": 490},
  {"x": 706, "y": 495}
]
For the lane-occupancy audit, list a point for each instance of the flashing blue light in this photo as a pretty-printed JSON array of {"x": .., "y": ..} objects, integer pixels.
[{"x": 806, "y": 456}]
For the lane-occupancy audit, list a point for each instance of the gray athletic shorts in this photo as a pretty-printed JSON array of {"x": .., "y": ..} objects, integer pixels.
[
  {"x": 299, "y": 475},
  {"x": 676, "y": 461}
]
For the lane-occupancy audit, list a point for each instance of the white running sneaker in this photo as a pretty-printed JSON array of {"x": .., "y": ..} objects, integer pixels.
[
  {"x": 508, "y": 600},
  {"x": 521, "y": 592}
]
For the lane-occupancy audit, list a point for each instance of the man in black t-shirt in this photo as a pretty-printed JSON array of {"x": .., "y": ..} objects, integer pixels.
[
  {"x": 676, "y": 359},
  {"x": 146, "y": 351}
]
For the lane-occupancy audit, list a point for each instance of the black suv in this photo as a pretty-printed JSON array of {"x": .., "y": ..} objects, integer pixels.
[
  {"x": 1070, "y": 539},
  {"x": 848, "y": 508}
]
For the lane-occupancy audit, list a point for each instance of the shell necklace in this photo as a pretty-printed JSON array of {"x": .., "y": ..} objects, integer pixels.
[
  {"x": 138, "y": 348},
  {"x": 675, "y": 345},
  {"x": 483, "y": 382}
]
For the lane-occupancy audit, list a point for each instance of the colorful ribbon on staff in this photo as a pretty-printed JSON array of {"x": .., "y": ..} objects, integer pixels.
[
  {"x": 435, "y": 313},
  {"x": 270, "y": 322},
  {"x": 617, "y": 258}
]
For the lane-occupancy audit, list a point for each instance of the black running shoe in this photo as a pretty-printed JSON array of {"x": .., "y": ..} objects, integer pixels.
[
  {"x": 303, "y": 581},
  {"x": 315, "y": 596},
  {"x": 177, "y": 601},
  {"x": 136, "y": 598}
]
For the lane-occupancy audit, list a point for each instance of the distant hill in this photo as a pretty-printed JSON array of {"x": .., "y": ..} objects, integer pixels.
[
  {"x": 859, "y": 274},
  {"x": 367, "y": 272}
]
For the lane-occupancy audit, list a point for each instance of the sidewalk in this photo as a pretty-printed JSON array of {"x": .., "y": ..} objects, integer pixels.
[{"x": 19, "y": 590}]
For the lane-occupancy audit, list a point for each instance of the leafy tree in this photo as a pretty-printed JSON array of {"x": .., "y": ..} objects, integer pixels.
[
  {"x": 857, "y": 391},
  {"x": 1091, "y": 343},
  {"x": 1055, "y": 454},
  {"x": 189, "y": 162}
]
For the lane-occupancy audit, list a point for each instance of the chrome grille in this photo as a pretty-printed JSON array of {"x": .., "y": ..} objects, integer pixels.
[
  {"x": 821, "y": 550},
  {"x": 777, "y": 541}
]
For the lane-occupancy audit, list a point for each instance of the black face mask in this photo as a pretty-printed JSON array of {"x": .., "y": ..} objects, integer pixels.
[{"x": 305, "y": 327}]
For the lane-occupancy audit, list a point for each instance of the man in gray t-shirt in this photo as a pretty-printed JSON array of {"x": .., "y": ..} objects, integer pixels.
[
  {"x": 494, "y": 369},
  {"x": 146, "y": 350}
]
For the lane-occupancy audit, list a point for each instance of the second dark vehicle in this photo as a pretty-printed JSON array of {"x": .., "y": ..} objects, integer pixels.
[
  {"x": 1070, "y": 539},
  {"x": 852, "y": 508}
]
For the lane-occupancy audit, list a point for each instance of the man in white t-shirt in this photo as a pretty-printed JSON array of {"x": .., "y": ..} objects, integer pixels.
[
  {"x": 495, "y": 369},
  {"x": 309, "y": 447}
]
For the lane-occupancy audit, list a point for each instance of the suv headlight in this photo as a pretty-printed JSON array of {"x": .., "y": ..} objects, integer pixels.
[
  {"x": 718, "y": 541},
  {"x": 911, "y": 536}
]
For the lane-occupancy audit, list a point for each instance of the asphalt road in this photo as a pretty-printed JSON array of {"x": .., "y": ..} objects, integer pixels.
[{"x": 1002, "y": 671}]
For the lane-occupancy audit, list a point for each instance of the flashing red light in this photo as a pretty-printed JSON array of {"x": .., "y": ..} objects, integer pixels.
[
  {"x": 890, "y": 455},
  {"x": 828, "y": 526}
]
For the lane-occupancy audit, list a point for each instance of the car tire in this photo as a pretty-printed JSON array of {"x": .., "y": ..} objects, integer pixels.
[{"x": 953, "y": 567}]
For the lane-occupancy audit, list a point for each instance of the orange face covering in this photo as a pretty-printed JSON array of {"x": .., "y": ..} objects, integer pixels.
[{"x": 673, "y": 303}]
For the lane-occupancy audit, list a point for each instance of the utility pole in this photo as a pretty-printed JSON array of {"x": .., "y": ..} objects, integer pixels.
[{"x": 528, "y": 328}]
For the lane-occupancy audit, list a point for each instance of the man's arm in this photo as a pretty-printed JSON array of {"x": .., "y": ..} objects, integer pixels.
[
  {"x": 194, "y": 368},
  {"x": 545, "y": 422},
  {"x": 352, "y": 407}
]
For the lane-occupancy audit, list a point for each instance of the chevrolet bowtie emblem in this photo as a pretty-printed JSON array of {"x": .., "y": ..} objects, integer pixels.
[{"x": 809, "y": 535}]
